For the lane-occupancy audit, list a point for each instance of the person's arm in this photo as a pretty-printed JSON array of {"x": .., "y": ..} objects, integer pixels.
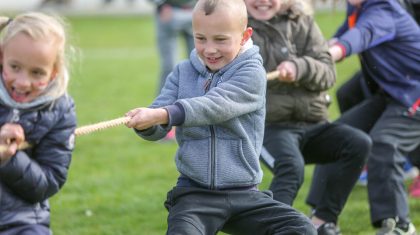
[
  {"x": 375, "y": 25},
  {"x": 37, "y": 177},
  {"x": 315, "y": 68}
]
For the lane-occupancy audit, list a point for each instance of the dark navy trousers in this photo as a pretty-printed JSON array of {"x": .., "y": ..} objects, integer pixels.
[
  {"x": 198, "y": 211},
  {"x": 294, "y": 145}
]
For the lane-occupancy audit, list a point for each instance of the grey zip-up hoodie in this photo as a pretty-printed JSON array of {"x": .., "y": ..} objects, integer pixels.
[{"x": 220, "y": 138}]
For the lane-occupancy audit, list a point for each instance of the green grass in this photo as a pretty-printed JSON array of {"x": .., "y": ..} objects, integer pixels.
[{"x": 117, "y": 182}]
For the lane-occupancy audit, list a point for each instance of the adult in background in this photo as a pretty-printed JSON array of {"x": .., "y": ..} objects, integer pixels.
[{"x": 173, "y": 19}]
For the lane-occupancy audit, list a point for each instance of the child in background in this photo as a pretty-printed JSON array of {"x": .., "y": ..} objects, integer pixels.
[
  {"x": 360, "y": 86},
  {"x": 35, "y": 108},
  {"x": 216, "y": 100},
  {"x": 297, "y": 128},
  {"x": 386, "y": 38}
]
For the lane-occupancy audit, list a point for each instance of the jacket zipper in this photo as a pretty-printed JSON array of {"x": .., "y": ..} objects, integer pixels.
[
  {"x": 15, "y": 116},
  {"x": 212, "y": 140}
]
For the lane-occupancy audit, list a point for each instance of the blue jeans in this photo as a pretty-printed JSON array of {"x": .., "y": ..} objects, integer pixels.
[{"x": 167, "y": 40}]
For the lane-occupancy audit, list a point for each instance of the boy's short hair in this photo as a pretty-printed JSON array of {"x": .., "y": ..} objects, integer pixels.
[{"x": 238, "y": 6}]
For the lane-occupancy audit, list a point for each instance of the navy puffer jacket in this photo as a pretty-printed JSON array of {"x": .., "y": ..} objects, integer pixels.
[{"x": 35, "y": 174}]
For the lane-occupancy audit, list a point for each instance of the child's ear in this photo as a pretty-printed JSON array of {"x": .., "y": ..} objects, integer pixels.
[
  {"x": 54, "y": 73},
  {"x": 246, "y": 35}
]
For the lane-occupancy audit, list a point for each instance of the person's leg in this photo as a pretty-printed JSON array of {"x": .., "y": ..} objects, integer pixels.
[
  {"x": 167, "y": 47},
  {"x": 255, "y": 212},
  {"x": 345, "y": 149},
  {"x": 364, "y": 115},
  {"x": 350, "y": 93},
  {"x": 414, "y": 157},
  {"x": 184, "y": 26},
  {"x": 283, "y": 143},
  {"x": 394, "y": 135},
  {"x": 196, "y": 211}
]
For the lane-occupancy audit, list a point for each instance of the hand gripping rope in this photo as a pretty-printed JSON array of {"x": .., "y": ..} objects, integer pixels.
[
  {"x": 87, "y": 129},
  {"x": 84, "y": 130}
]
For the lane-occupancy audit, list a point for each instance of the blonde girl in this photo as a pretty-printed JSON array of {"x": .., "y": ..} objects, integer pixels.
[{"x": 34, "y": 108}]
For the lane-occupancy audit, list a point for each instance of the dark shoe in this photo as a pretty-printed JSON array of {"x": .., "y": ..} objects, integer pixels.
[{"x": 328, "y": 228}]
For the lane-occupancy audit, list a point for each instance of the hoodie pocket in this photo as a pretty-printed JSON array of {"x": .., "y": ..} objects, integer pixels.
[
  {"x": 193, "y": 160},
  {"x": 232, "y": 167}
]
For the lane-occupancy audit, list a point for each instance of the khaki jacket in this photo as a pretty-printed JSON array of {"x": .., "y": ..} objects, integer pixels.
[{"x": 297, "y": 39}]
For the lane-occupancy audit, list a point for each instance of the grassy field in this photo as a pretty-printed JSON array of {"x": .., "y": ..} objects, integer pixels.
[{"x": 117, "y": 182}]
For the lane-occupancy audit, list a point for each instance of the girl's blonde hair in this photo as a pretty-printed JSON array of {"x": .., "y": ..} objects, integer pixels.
[{"x": 40, "y": 26}]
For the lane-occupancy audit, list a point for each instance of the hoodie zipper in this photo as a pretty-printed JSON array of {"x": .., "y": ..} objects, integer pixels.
[{"x": 212, "y": 140}]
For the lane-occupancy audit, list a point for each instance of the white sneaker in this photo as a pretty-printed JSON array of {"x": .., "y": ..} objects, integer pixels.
[{"x": 390, "y": 227}]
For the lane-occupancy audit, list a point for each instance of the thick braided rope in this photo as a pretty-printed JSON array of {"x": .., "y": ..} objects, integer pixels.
[
  {"x": 84, "y": 130},
  {"x": 273, "y": 75}
]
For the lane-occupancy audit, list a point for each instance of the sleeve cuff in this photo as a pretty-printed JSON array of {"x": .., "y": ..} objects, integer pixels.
[
  {"x": 176, "y": 113},
  {"x": 345, "y": 48},
  {"x": 146, "y": 132}
]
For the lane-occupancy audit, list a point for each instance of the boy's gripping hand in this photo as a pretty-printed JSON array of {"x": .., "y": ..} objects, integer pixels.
[
  {"x": 143, "y": 118},
  {"x": 11, "y": 136}
]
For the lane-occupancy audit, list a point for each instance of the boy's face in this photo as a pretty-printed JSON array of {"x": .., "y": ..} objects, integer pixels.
[
  {"x": 263, "y": 9},
  {"x": 28, "y": 66},
  {"x": 218, "y": 37}
]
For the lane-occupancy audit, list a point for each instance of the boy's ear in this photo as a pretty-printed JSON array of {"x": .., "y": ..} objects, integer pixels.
[{"x": 246, "y": 35}]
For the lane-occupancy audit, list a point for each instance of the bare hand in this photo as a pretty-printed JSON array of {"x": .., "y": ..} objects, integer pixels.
[
  {"x": 287, "y": 71},
  {"x": 11, "y": 136},
  {"x": 143, "y": 118},
  {"x": 336, "y": 53}
]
